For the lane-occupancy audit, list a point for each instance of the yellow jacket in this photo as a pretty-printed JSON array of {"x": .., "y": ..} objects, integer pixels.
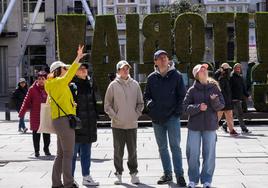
[{"x": 59, "y": 89}]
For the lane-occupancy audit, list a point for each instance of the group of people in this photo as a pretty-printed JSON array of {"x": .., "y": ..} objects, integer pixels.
[
  {"x": 234, "y": 92},
  {"x": 70, "y": 91}
]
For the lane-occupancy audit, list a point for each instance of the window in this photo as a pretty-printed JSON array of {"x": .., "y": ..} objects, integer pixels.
[
  {"x": 28, "y": 12},
  {"x": 35, "y": 55},
  {"x": 122, "y": 7},
  {"x": 222, "y": 9}
]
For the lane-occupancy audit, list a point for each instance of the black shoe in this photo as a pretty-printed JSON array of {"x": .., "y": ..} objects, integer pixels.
[
  {"x": 165, "y": 179},
  {"x": 224, "y": 127},
  {"x": 47, "y": 153},
  {"x": 181, "y": 181},
  {"x": 37, "y": 154},
  {"x": 245, "y": 131}
]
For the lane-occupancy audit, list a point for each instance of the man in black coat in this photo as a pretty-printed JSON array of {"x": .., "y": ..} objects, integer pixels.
[
  {"x": 84, "y": 96},
  {"x": 238, "y": 93}
]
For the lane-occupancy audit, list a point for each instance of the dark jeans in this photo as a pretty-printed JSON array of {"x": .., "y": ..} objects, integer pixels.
[
  {"x": 85, "y": 157},
  {"x": 122, "y": 137},
  {"x": 36, "y": 141},
  {"x": 238, "y": 112},
  {"x": 22, "y": 124}
]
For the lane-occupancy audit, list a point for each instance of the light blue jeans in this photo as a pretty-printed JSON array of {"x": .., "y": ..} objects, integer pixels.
[
  {"x": 194, "y": 139},
  {"x": 84, "y": 150},
  {"x": 169, "y": 131}
]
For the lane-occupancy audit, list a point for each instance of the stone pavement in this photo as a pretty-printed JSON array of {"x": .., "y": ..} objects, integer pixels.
[{"x": 241, "y": 161}]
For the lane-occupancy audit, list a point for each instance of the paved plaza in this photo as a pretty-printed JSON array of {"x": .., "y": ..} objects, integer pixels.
[{"x": 241, "y": 161}]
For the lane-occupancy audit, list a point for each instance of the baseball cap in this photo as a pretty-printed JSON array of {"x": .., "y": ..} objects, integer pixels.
[
  {"x": 197, "y": 68},
  {"x": 22, "y": 80},
  {"x": 226, "y": 66},
  {"x": 56, "y": 65},
  {"x": 158, "y": 53},
  {"x": 121, "y": 64}
]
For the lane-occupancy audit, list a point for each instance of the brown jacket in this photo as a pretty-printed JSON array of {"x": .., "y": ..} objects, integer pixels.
[{"x": 124, "y": 103}]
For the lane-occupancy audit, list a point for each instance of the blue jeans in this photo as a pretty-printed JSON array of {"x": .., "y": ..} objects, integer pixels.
[
  {"x": 194, "y": 139},
  {"x": 85, "y": 157},
  {"x": 21, "y": 124},
  {"x": 170, "y": 130}
]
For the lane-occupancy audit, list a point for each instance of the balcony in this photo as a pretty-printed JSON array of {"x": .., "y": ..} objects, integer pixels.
[{"x": 225, "y": 2}]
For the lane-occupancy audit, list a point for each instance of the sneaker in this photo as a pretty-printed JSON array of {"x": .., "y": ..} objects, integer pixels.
[
  {"x": 191, "y": 184},
  {"x": 181, "y": 181},
  {"x": 25, "y": 130},
  {"x": 20, "y": 130},
  {"x": 233, "y": 133},
  {"x": 224, "y": 127},
  {"x": 88, "y": 181},
  {"x": 134, "y": 178},
  {"x": 207, "y": 185},
  {"x": 119, "y": 179},
  {"x": 37, "y": 154},
  {"x": 246, "y": 131},
  {"x": 165, "y": 179}
]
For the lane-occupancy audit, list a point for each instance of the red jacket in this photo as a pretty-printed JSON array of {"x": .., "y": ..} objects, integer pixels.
[{"x": 32, "y": 102}]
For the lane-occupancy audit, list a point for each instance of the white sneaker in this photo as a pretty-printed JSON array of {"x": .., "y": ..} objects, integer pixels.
[
  {"x": 134, "y": 178},
  {"x": 207, "y": 185},
  {"x": 191, "y": 184},
  {"x": 88, "y": 181},
  {"x": 119, "y": 179}
]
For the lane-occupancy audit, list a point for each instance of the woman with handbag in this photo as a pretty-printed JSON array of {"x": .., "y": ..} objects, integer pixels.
[
  {"x": 62, "y": 103},
  {"x": 35, "y": 96}
]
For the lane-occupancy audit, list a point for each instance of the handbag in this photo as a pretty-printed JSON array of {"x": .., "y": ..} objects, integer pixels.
[
  {"x": 74, "y": 121},
  {"x": 46, "y": 125}
]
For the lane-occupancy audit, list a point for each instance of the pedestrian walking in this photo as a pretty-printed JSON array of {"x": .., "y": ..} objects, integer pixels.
[
  {"x": 238, "y": 93},
  {"x": 57, "y": 87},
  {"x": 124, "y": 104},
  {"x": 82, "y": 88},
  {"x": 18, "y": 97},
  {"x": 164, "y": 94},
  {"x": 202, "y": 102},
  {"x": 32, "y": 102},
  {"x": 227, "y": 111}
]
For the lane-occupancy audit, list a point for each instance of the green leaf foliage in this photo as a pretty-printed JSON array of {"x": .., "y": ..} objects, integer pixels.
[
  {"x": 241, "y": 37},
  {"x": 219, "y": 21},
  {"x": 156, "y": 29},
  {"x": 71, "y": 31}
]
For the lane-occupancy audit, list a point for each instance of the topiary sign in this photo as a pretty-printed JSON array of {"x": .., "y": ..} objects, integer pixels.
[{"x": 186, "y": 42}]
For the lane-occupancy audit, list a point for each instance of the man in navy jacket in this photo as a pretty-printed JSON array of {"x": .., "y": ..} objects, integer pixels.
[{"x": 164, "y": 94}]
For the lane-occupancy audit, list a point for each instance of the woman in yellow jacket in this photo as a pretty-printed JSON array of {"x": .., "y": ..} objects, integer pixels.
[{"x": 57, "y": 86}]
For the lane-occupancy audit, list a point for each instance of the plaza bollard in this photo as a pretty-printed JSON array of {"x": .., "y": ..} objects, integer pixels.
[{"x": 7, "y": 111}]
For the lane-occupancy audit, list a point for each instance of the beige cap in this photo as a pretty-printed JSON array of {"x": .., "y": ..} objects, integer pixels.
[{"x": 197, "y": 68}]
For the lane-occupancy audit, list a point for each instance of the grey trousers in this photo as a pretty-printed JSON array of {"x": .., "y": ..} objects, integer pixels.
[
  {"x": 238, "y": 112},
  {"x": 122, "y": 137},
  {"x": 65, "y": 149}
]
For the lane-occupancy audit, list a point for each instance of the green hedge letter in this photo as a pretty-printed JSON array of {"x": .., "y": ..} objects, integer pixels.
[
  {"x": 70, "y": 25},
  {"x": 105, "y": 50},
  {"x": 190, "y": 38},
  {"x": 219, "y": 21},
  {"x": 156, "y": 29},
  {"x": 260, "y": 71}
]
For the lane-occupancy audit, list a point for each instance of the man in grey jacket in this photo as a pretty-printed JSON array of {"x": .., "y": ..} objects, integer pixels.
[{"x": 124, "y": 104}]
